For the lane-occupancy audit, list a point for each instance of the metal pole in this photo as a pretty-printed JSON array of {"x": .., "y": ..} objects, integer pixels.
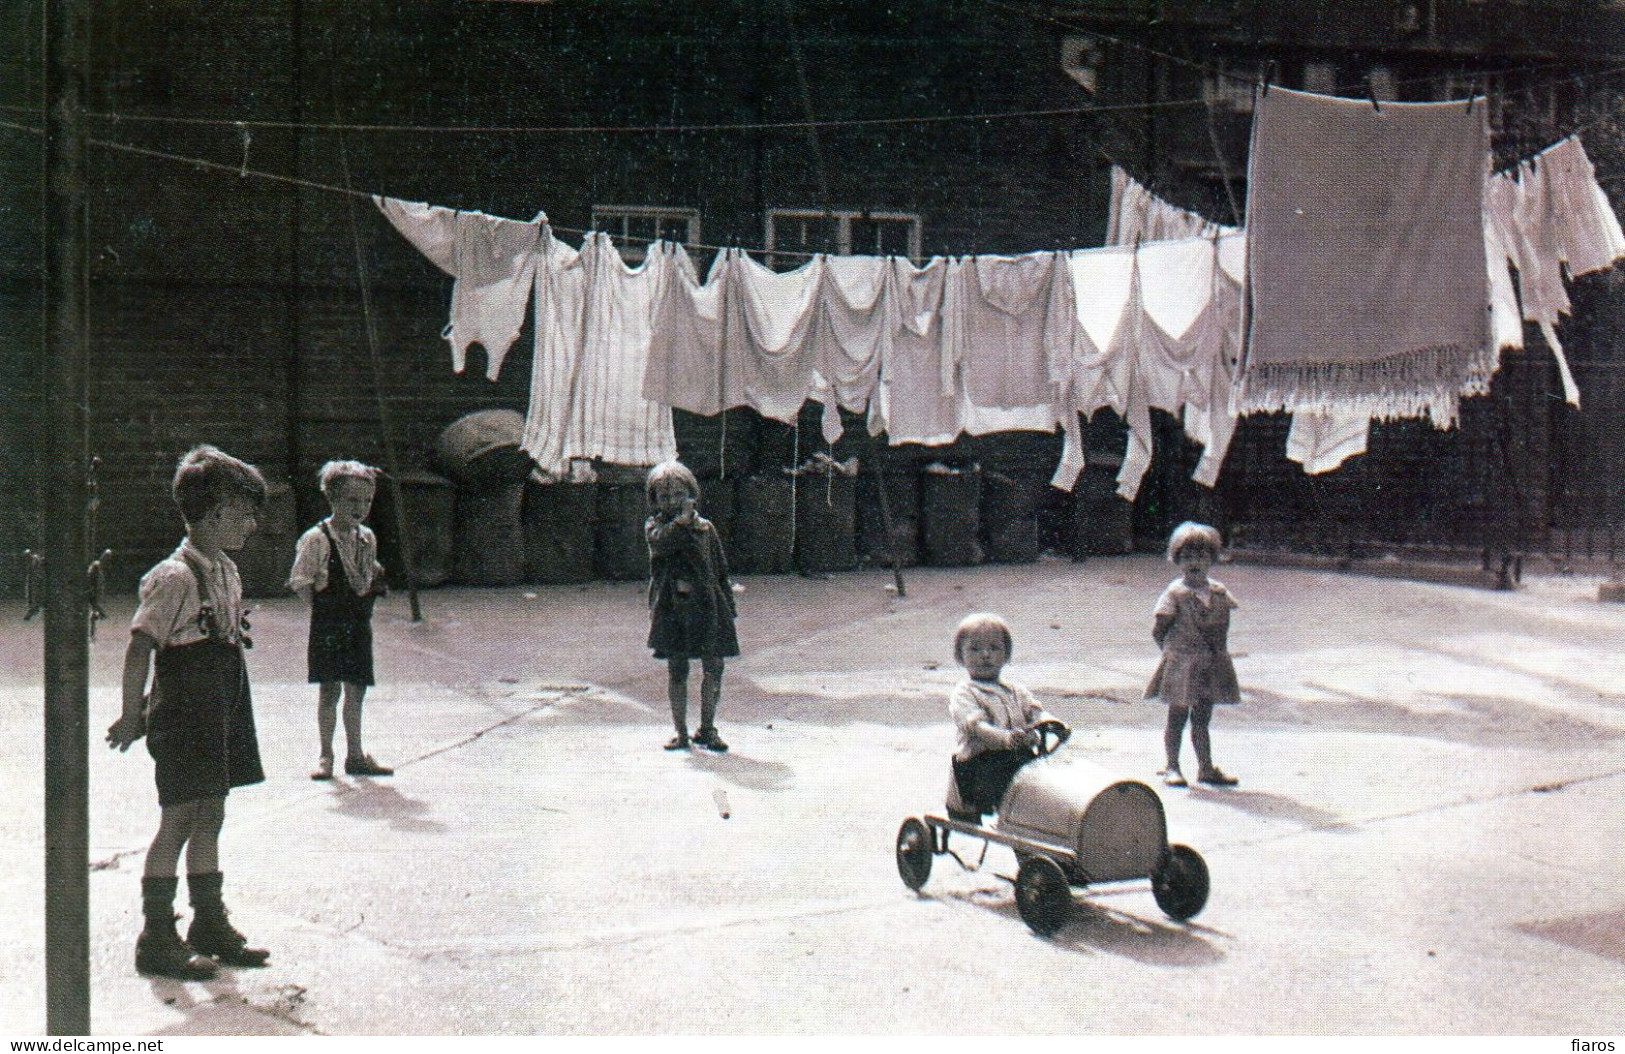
[{"x": 67, "y": 605}]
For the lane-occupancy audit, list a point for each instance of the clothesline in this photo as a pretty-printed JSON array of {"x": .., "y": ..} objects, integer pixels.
[{"x": 749, "y": 126}]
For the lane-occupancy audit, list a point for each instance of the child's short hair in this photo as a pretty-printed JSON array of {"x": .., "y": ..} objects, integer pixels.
[
  {"x": 332, "y": 473},
  {"x": 982, "y": 622},
  {"x": 1192, "y": 534},
  {"x": 671, "y": 470},
  {"x": 207, "y": 476}
]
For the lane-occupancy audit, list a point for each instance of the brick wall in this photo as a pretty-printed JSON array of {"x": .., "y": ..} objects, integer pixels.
[{"x": 229, "y": 310}]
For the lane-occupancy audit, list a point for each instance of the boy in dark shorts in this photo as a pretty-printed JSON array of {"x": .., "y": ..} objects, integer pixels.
[
  {"x": 189, "y": 631},
  {"x": 336, "y": 571}
]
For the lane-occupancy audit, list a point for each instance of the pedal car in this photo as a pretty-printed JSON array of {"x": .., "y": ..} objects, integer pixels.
[{"x": 1071, "y": 823}]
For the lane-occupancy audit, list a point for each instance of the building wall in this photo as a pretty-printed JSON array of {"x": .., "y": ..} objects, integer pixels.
[{"x": 229, "y": 309}]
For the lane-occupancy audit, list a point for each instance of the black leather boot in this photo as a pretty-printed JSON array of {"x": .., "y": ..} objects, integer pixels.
[
  {"x": 211, "y": 931},
  {"x": 159, "y": 951}
]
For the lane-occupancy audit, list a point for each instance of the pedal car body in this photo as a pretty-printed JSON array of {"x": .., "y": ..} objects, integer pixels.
[{"x": 1070, "y": 823}]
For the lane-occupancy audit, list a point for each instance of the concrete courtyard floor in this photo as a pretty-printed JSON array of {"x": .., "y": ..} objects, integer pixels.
[{"x": 1427, "y": 838}]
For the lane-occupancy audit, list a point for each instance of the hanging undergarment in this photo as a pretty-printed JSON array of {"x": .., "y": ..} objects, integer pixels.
[
  {"x": 493, "y": 260},
  {"x": 1322, "y": 442},
  {"x": 1006, "y": 321}
]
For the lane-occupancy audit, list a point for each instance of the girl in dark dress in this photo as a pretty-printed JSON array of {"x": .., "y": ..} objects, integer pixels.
[{"x": 691, "y": 600}]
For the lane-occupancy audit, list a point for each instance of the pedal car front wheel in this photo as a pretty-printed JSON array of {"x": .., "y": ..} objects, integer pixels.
[
  {"x": 914, "y": 853},
  {"x": 1180, "y": 883},
  {"x": 1043, "y": 896}
]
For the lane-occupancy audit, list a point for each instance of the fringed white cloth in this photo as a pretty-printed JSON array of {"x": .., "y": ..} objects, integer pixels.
[{"x": 1365, "y": 255}]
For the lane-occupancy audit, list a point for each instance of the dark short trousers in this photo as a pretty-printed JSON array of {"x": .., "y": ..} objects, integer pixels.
[{"x": 984, "y": 778}]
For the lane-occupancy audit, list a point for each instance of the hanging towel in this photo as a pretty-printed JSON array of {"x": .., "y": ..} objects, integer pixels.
[
  {"x": 493, "y": 260},
  {"x": 1365, "y": 254},
  {"x": 610, "y": 419},
  {"x": 1322, "y": 442},
  {"x": 560, "y": 290},
  {"x": 1098, "y": 374},
  {"x": 685, "y": 367}
]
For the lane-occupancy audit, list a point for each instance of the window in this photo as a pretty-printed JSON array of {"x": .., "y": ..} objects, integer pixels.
[
  {"x": 1320, "y": 77},
  {"x": 1227, "y": 89},
  {"x": 844, "y": 232},
  {"x": 633, "y": 227}
]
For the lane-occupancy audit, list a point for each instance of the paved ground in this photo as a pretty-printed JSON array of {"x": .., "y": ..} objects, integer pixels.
[{"x": 1427, "y": 838}]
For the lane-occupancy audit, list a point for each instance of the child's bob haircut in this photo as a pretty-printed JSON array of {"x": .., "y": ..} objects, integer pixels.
[
  {"x": 671, "y": 470},
  {"x": 207, "y": 476},
  {"x": 982, "y": 622},
  {"x": 334, "y": 472},
  {"x": 1191, "y": 534}
]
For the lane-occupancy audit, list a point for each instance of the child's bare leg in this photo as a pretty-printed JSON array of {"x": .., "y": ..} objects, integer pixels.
[
  {"x": 1201, "y": 714},
  {"x": 354, "y": 694},
  {"x": 327, "y": 713},
  {"x": 677, "y": 693},
  {"x": 1173, "y": 733},
  {"x": 211, "y": 932},
  {"x": 174, "y": 828},
  {"x": 203, "y": 846},
  {"x": 710, "y": 693}
]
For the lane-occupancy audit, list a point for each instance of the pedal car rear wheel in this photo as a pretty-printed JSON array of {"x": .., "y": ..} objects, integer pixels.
[
  {"x": 1180, "y": 882},
  {"x": 914, "y": 853},
  {"x": 1042, "y": 895}
]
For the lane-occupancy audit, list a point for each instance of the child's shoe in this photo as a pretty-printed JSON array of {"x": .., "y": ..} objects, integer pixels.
[
  {"x": 323, "y": 769},
  {"x": 363, "y": 765},
  {"x": 1173, "y": 778},
  {"x": 160, "y": 952},
  {"x": 678, "y": 742},
  {"x": 213, "y": 934},
  {"x": 1217, "y": 778},
  {"x": 708, "y": 738}
]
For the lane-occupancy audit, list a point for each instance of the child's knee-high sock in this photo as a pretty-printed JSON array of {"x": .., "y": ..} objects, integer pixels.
[
  {"x": 677, "y": 692},
  {"x": 710, "y": 694},
  {"x": 158, "y": 901},
  {"x": 1172, "y": 734}
]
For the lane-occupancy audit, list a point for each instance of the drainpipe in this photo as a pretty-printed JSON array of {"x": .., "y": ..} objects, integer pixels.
[{"x": 66, "y": 532}]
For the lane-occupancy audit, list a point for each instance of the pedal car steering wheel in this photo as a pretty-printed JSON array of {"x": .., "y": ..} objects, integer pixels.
[{"x": 1051, "y": 734}]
